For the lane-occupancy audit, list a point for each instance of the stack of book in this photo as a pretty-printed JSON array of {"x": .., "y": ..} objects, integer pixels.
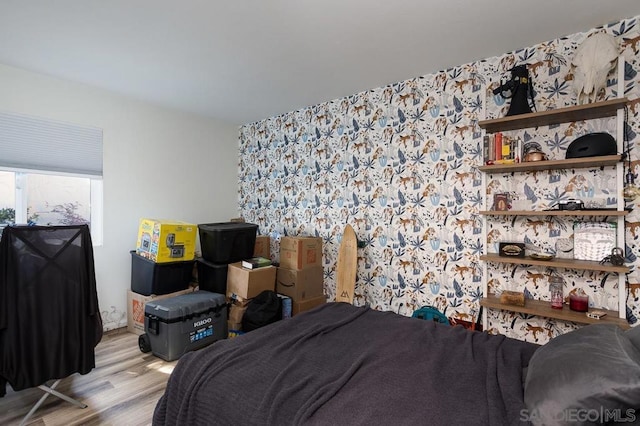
[
  {"x": 500, "y": 149},
  {"x": 256, "y": 262}
]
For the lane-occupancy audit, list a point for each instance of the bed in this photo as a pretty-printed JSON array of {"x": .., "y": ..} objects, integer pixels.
[{"x": 343, "y": 365}]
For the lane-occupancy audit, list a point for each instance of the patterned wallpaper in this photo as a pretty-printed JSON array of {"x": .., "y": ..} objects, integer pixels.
[{"x": 399, "y": 163}]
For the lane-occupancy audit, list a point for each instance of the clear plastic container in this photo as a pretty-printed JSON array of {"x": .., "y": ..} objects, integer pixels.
[{"x": 556, "y": 284}]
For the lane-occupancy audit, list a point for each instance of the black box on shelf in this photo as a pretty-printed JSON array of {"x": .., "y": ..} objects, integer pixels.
[
  {"x": 212, "y": 276},
  {"x": 227, "y": 242},
  {"x": 149, "y": 277},
  {"x": 511, "y": 249}
]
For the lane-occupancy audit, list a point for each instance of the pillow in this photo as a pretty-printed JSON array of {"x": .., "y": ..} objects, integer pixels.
[
  {"x": 633, "y": 334},
  {"x": 587, "y": 376}
]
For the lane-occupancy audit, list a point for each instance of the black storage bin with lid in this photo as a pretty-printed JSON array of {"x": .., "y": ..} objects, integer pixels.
[
  {"x": 212, "y": 276},
  {"x": 149, "y": 277},
  {"x": 227, "y": 242}
]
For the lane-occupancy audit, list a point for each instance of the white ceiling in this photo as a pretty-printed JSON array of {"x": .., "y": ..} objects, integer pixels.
[{"x": 245, "y": 60}]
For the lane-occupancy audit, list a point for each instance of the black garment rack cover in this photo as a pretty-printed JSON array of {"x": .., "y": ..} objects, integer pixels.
[{"x": 49, "y": 317}]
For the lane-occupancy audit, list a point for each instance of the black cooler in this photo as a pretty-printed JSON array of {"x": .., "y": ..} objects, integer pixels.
[{"x": 183, "y": 323}]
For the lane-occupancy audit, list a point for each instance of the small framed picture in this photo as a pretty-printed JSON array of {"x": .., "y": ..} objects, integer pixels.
[{"x": 501, "y": 202}]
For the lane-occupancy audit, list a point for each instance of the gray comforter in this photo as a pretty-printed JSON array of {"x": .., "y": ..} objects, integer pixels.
[{"x": 345, "y": 365}]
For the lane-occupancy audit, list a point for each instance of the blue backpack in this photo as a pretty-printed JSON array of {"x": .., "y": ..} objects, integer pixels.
[{"x": 430, "y": 313}]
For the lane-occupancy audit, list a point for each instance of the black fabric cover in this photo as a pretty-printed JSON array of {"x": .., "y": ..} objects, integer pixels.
[
  {"x": 343, "y": 365},
  {"x": 49, "y": 317},
  {"x": 264, "y": 309}
]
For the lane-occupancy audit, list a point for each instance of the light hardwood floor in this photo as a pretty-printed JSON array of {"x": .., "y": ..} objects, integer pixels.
[{"x": 122, "y": 390}]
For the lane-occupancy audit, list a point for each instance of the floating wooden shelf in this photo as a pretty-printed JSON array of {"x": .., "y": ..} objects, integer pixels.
[
  {"x": 572, "y": 163},
  {"x": 544, "y": 118},
  {"x": 584, "y": 265},
  {"x": 554, "y": 213},
  {"x": 609, "y": 108},
  {"x": 544, "y": 309}
]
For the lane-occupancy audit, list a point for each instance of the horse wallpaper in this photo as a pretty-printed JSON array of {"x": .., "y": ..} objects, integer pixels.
[{"x": 400, "y": 164}]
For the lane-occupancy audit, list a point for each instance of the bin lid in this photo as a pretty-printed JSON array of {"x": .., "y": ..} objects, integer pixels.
[
  {"x": 211, "y": 264},
  {"x": 227, "y": 226},
  {"x": 184, "y": 305}
]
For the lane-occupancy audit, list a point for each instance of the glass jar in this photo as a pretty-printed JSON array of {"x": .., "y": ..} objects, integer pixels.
[
  {"x": 579, "y": 301},
  {"x": 556, "y": 284}
]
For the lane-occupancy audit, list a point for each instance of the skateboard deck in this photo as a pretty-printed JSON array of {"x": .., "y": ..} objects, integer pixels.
[{"x": 346, "y": 266}]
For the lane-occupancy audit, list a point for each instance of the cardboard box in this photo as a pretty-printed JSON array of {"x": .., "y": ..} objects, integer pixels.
[
  {"x": 305, "y": 305},
  {"x": 300, "y": 252},
  {"x": 263, "y": 246},
  {"x": 135, "y": 308},
  {"x": 248, "y": 283},
  {"x": 236, "y": 312},
  {"x": 300, "y": 284},
  {"x": 162, "y": 240},
  {"x": 235, "y": 330},
  {"x": 234, "y": 326}
]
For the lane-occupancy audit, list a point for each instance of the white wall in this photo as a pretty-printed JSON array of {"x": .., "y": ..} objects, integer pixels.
[{"x": 158, "y": 162}]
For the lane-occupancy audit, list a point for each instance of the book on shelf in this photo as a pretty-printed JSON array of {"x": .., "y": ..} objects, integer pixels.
[
  {"x": 256, "y": 262},
  {"x": 500, "y": 149}
]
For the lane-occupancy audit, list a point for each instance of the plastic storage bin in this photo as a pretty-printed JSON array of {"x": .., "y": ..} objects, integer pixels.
[
  {"x": 212, "y": 276},
  {"x": 148, "y": 277},
  {"x": 227, "y": 242},
  {"x": 184, "y": 323}
]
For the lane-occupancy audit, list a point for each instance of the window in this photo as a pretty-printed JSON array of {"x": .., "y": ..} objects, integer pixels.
[
  {"x": 7, "y": 199},
  {"x": 50, "y": 173},
  {"x": 51, "y": 199}
]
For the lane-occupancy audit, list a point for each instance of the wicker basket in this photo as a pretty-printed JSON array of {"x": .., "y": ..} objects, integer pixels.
[{"x": 593, "y": 240}]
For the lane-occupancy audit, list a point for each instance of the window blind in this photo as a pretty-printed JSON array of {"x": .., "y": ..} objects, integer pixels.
[{"x": 35, "y": 143}]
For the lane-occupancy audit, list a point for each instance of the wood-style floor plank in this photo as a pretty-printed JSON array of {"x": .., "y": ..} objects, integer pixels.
[{"x": 123, "y": 389}]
